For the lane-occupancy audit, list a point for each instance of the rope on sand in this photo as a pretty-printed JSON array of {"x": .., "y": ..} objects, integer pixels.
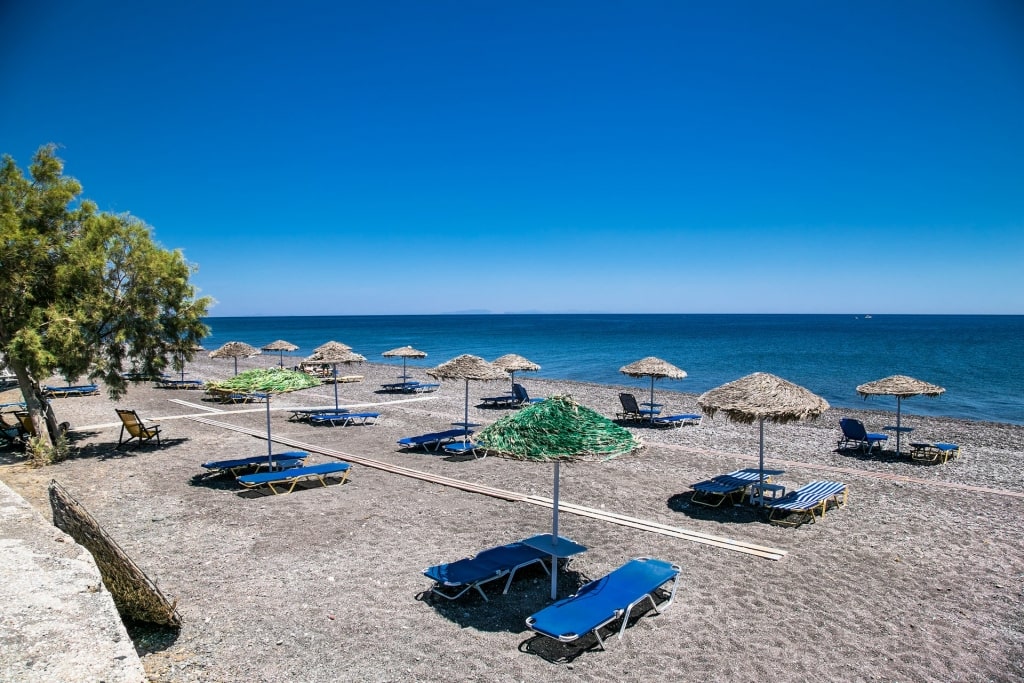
[{"x": 591, "y": 513}]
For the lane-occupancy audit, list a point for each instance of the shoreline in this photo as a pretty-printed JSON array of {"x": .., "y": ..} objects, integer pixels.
[{"x": 900, "y": 584}]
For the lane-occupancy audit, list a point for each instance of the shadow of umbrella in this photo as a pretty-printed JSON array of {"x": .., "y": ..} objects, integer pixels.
[
  {"x": 901, "y": 387},
  {"x": 333, "y": 353},
  {"x": 268, "y": 382},
  {"x": 655, "y": 368},
  {"x": 280, "y": 346},
  {"x": 512, "y": 363},
  {"x": 467, "y": 367},
  {"x": 760, "y": 397},
  {"x": 235, "y": 350},
  {"x": 404, "y": 352},
  {"x": 557, "y": 429}
]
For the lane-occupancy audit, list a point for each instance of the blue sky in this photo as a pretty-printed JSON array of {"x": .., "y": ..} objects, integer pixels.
[{"x": 426, "y": 157}]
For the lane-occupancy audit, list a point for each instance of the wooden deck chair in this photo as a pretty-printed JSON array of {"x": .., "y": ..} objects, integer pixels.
[{"x": 131, "y": 423}]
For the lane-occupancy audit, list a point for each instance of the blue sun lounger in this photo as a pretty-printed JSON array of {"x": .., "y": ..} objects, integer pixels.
[
  {"x": 499, "y": 401},
  {"x": 281, "y": 461},
  {"x": 65, "y": 392},
  {"x": 810, "y": 500},
  {"x": 345, "y": 419},
  {"x": 434, "y": 440},
  {"x": 715, "y": 491},
  {"x": 463, "y": 447},
  {"x": 601, "y": 602},
  {"x": 453, "y": 579},
  {"x": 675, "y": 420},
  {"x": 934, "y": 452},
  {"x": 294, "y": 475}
]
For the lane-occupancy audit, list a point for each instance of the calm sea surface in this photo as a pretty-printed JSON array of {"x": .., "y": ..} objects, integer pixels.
[{"x": 978, "y": 359}]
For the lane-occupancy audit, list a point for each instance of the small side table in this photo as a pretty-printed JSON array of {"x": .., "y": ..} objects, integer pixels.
[
  {"x": 759, "y": 491},
  {"x": 557, "y": 547}
]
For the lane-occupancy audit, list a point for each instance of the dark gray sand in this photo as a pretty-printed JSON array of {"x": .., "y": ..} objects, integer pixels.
[{"x": 919, "y": 578}]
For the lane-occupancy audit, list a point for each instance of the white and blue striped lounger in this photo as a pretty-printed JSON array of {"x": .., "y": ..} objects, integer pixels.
[
  {"x": 715, "y": 491},
  {"x": 601, "y": 602},
  {"x": 676, "y": 420},
  {"x": 811, "y": 500}
]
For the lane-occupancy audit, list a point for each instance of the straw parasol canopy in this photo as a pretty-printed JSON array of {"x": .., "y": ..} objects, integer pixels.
[
  {"x": 760, "y": 397},
  {"x": 655, "y": 368},
  {"x": 556, "y": 429},
  {"x": 280, "y": 346},
  {"x": 404, "y": 352},
  {"x": 512, "y": 363},
  {"x": 235, "y": 350},
  {"x": 333, "y": 353},
  {"x": 467, "y": 367},
  {"x": 901, "y": 387},
  {"x": 271, "y": 381}
]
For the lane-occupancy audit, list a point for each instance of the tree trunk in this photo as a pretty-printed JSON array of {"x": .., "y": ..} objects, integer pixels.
[{"x": 38, "y": 408}]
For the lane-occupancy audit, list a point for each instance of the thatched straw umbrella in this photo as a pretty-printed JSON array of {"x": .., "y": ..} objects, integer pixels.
[
  {"x": 467, "y": 367},
  {"x": 280, "y": 346},
  {"x": 759, "y": 397},
  {"x": 272, "y": 381},
  {"x": 236, "y": 350},
  {"x": 333, "y": 353},
  {"x": 557, "y": 429},
  {"x": 404, "y": 352},
  {"x": 655, "y": 368},
  {"x": 901, "y": 387},
  {"x": 511, "y": 363}
]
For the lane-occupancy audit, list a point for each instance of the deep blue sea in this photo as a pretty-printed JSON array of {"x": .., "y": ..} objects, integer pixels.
[{"x": 978, "y": 359}]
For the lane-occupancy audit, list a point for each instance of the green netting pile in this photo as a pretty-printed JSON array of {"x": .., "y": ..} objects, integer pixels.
[
  {"x": 272, "y": 380},
  {"x": 556, "y": 429}
]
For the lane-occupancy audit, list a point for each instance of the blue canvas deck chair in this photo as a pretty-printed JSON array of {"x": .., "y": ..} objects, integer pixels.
[
  {"x": 294, "y": 475},
  {"x": 809, "y": 502},
  {"x": 278, "y": 461},
  {"x": 631, "y": 409},
  {"x": 934, "y": 452},
  {"x": 453, "y": 579},
  {"x": 522, "y": 397},
  {"x": 728, "y": 487},
  {"x": 132, "y": 423},
  {"x": 856, "y": 435},
  {"x": 611, "y": 597}
]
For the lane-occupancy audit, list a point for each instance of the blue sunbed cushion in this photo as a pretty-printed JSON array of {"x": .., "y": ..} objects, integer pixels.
[
  {"x": 599, "y": 601},
  {"x": 487, "y": 564},
  {"x": 295, "y": 472},
  {"x": 281, "y": 460}
]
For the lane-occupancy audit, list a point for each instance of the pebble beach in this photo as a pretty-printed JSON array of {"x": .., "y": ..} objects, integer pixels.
[{"x": 920, "y": 577}]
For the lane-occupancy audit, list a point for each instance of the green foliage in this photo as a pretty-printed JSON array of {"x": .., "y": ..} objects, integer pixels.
[
  {"x": 271, "y": 380},
  {"x": 557, "y": 428},
  {"x": 84, "y": 292},
  {"x": 41, "y": 453}
]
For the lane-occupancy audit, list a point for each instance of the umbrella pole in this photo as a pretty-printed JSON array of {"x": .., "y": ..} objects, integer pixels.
[
  {"x": 270, "y": 444},
  {"x": 236, "y": 365},
  {"x": 760, "y": 463},
  {"x": 335, "y": 369},
  {"x": 651, "y": 416},
  {"x": 554, "y": 537},
  {"x": 465, "y": 418},
  {"x": 899, "y": 399}
]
